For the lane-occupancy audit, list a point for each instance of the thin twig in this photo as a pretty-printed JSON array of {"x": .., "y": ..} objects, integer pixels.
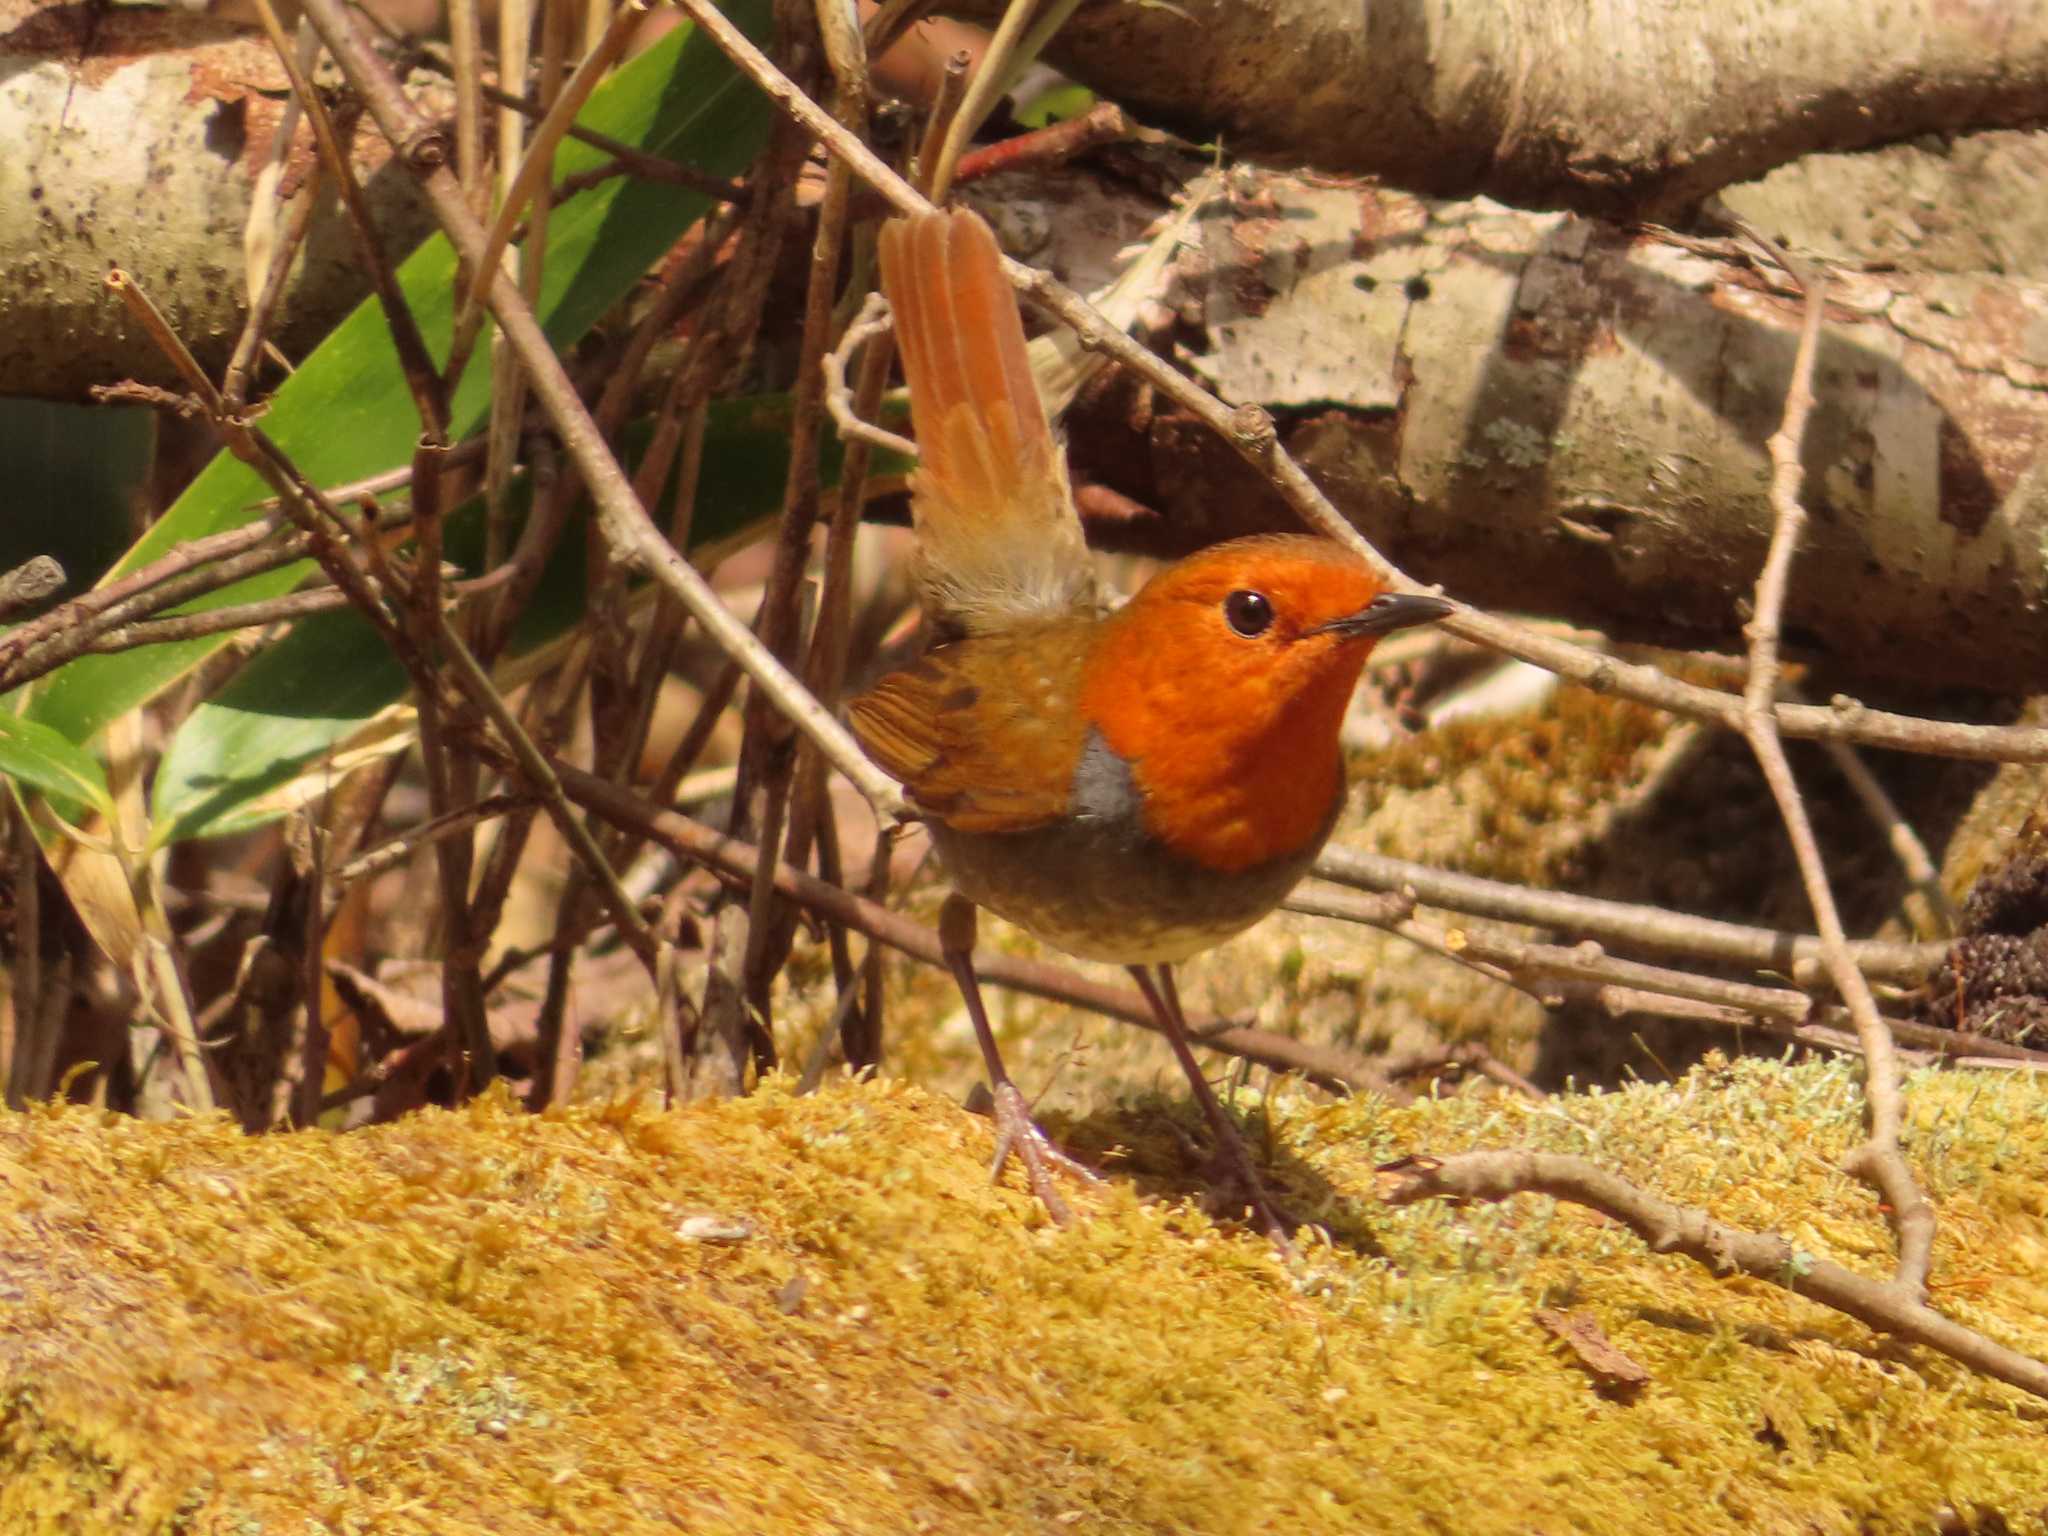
[
  {"x": 216, "y": 621},
  {"x": 540, "y": 157},
  {"x": 1670, "y": 1228},
  {"x": 302, "y": 502},
  {"x": 324, "y": 527},
  {"x": 465, "y": 48},
  {"x": 1551, "y": 972},
  {"x": 769, "y": 760},
  {"x": 397, "y": 478},
  {"x": 1054, "y": 144},
  {"x": 625, "y": 158},
  {"x": 180, "y": 576},
  {"x": 871, "y": 323},
  {"x": 265, "y": 207},
  {"x": 946, "y": 103},
  {"x": 982, "y": 93},
  {"x": 508, "y": 384},
  {"x": 811, "y": 822},
  {"x": 45, "y": 643},
  {"x": 429, "y": 391},
  {"x": 1879, "y": 1161},
  {"x": 535, "y": 766},
  {"x": 1907, "y": 848},
  {"x": 1655, "y": 928},
  {"x": 400, "y": 846},
  {"x": 34, "y": 1024}
]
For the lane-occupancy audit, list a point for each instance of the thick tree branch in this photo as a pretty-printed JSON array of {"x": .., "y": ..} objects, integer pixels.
[
  {"x": 1523, "y": 102},
  {"x": 136, "y": 135},
  {"x": 1560, "y": 416}
]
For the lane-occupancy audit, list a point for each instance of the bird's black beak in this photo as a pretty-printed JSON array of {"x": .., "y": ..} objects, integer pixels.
[{"x": 1387, "y": 612}]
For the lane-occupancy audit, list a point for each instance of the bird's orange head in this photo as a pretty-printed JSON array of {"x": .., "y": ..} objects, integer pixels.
[{"x": 1224, "y": 682}]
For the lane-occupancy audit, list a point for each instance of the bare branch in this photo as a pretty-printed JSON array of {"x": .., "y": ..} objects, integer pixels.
[
  {"x": 1670, "y": 1228},
  {"x": 870, "y": 323},
  {"x": 1879, "y": 1161},
  {"x": 1552, "y": 973},
  {"x": 1793, "y": 954}
]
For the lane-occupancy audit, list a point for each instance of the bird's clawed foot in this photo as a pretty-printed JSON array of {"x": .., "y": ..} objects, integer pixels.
[
  {"x": 1234, "y": 1189},
  {"x": 1016, "y": 1131},
  {"x": 1018, "y": 1134},
  {"x": 1234, "y": 1169},
  {"x": 1237, "y": 1187}
]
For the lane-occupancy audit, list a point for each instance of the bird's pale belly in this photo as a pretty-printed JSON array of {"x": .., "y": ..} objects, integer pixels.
[{"x": 1109, "y": 893}]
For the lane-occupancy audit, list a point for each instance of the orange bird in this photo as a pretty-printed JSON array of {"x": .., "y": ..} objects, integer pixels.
[{"x": 1133, "y": 785}]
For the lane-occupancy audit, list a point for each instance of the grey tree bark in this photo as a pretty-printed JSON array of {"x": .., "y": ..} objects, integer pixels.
[
  {"x": 133, "y": 138},
  {"x": 1628, "y": 110},
  {"x": 1567, "y": 416},
  {"x": 134, "y": 135}
]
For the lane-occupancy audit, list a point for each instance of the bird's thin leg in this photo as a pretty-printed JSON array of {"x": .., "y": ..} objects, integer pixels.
[
  {"x": 1164, "y": 996},
  {"x": 1016, "y": 1131}
]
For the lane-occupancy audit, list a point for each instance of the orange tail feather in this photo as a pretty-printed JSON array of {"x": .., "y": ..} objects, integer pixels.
[{"x": 996, "y": 527}]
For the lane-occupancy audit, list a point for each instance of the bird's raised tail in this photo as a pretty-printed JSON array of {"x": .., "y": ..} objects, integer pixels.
[{"x": 998, "y": 538}]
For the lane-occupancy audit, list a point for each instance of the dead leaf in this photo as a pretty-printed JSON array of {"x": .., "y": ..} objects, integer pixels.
[{"x": 1582, "y": 1334}]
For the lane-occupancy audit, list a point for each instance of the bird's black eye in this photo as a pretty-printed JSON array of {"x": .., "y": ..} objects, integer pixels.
[{"x": 1249, "y": 613}]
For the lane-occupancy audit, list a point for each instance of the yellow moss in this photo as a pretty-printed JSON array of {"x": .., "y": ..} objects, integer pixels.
[
  {"x": 1509, "y": 797},
  {"x": 815, "y": 1314}
]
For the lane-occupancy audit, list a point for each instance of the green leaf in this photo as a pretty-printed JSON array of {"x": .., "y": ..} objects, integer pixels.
[
  {"x": 347, "y": 414},
  {"x": 288, "y": 707},
  {"x": 1058, "y": 105},
  {"x": 38, "y": 758},
  {"x": 320, "y": 687}
]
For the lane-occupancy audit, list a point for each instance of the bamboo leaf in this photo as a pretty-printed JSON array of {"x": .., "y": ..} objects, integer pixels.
[{"x": 38, "y": 758}]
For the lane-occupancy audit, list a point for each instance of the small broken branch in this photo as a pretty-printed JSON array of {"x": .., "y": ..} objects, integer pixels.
[{"x": 1670, "y": 1228}]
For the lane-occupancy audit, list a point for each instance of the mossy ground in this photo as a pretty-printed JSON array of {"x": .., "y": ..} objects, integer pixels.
[{"x": 811, "y": 1314}]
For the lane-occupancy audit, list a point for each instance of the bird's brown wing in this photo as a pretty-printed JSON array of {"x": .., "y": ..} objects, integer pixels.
[{"x": 984, "y": 734}]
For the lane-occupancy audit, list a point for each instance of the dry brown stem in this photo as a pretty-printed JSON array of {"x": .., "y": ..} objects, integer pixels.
[
  {"x": 1669, "y": 1228},
  {"x": 1630, "y": 923},
  {"x": 1879, "y": 1161}
]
